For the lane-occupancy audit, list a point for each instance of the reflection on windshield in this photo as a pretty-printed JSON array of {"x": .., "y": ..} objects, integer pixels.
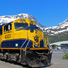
[{"x": 18, "y": 25}]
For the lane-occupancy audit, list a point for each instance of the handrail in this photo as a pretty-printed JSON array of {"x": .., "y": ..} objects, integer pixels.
[
  {"x": 23, "y": 44},
  {"x": 27, "y": 44},
  {"x": 28, "y": 41}
]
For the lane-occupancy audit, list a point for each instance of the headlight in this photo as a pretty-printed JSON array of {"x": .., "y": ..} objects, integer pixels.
[
  {"x": 36, "y": 46},
  {"x": 51, "y": 51}
]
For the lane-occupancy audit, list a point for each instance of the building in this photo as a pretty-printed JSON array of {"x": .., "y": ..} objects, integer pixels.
[{"x": 59, "y": 45}]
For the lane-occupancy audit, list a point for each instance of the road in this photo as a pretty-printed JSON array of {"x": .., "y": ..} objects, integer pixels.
[{"x": 57, "y": 62}]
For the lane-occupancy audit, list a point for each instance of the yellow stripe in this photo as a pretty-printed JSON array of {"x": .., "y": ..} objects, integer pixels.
[
  {"x": 39, "y": 48},
  {"x": 27, "y": 48},
  {"x": 13, "y": 48}
]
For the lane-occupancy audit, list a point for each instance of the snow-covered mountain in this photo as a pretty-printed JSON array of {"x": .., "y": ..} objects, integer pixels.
[
  {"x": 61, "y": 28},
  {"x": 8, "y": 18}
]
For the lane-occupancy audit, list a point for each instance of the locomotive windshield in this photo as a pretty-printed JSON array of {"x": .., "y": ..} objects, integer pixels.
[
  {"x": 18, "y": 25},
  {"x": 32, "y": 25}
]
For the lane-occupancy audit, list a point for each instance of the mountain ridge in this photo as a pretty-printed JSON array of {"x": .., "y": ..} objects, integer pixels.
[
  {"x": 58, "y": 33},
  {"x": 55, "y": 33},
  {"x": 60, "y": 28},
  {"x": 8, "y": 18}
]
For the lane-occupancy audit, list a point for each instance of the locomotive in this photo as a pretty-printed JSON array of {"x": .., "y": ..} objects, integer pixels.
[{"x": 23, "y": 42}]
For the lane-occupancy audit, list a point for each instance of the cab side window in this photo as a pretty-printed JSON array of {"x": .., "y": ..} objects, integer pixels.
[
  {"x": 8, "y": 27},
  {"x": 0, "y": 30}
]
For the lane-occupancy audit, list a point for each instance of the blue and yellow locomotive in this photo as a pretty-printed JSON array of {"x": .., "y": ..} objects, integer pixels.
[{"x": 23, "y": 42}]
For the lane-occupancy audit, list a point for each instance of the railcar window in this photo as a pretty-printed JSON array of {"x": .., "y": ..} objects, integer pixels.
[
  {"x": 8, "y": 27},
  {"x": 18, "y": 25}
]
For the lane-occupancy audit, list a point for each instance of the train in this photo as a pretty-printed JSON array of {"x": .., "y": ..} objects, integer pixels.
[{"x": 22, "y": 41}]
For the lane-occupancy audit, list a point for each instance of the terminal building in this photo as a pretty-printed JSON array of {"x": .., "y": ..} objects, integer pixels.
[{"x": 59, "y": 45}]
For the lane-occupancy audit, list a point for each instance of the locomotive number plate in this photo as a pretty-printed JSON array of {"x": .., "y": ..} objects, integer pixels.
[{"x": 8, "y": 36}]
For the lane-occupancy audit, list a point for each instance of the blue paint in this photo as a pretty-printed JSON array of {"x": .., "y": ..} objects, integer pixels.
[
  {"x": 0, "y": 27},
  {"x": 41, "y": 43},
  {"x": 12, "y": 43}
]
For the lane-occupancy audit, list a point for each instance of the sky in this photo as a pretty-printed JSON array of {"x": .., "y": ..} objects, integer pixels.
[{"x": 48, "y": 12}]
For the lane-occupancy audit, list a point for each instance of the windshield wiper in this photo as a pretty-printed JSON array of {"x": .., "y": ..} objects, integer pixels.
[{"x": 19, "y": 28}]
